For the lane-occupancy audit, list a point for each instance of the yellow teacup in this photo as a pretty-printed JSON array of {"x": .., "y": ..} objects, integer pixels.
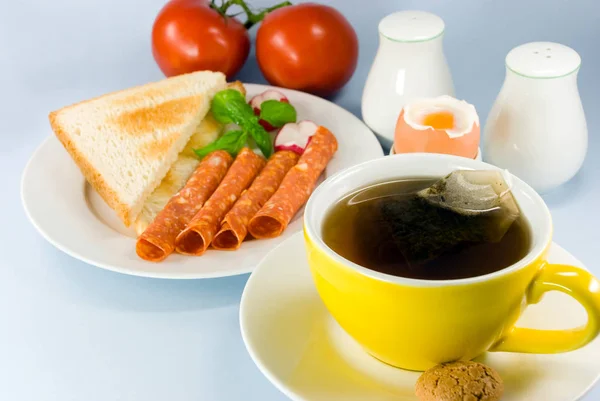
[{"x": 415, "y": 324}]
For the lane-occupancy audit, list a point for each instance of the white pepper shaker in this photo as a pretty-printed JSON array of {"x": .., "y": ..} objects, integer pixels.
[
  {"x": 536, "y": 128},
  {"x": 409, "y": 64}
]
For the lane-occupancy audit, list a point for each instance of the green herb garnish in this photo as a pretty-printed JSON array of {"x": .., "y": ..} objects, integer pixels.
[
  {"x": 277, "y": 113},
  {"x": 229, "y": 106},
  {"x": 232, "y": 142}
]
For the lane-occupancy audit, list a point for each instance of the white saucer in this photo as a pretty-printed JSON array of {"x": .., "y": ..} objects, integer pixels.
[
  {"x": 300, "y": 348},
  {"x": 73, "y": 217}
]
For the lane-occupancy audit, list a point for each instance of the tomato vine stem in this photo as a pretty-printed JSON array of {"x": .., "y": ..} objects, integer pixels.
[{"x": 252, "y": 17}]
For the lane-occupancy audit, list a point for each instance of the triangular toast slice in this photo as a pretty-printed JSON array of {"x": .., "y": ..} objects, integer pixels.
[{"x": 125, "y": 142}]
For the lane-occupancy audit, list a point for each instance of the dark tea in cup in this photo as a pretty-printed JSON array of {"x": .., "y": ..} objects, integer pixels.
[{"x": 427, "y": 228}]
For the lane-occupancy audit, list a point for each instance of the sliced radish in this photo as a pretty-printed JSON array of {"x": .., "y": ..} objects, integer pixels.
[
  {"x": 295, "y": 136},
  {"x": 257, "y": 100}
]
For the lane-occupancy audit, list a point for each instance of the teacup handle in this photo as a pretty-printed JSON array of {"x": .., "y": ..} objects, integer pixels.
[{"x": 571, "y": 280}]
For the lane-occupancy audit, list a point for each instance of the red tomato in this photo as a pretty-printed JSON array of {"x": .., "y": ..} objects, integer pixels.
[
  {"x": 188, "y": 35},
  {"x": 310, "y": 47}
]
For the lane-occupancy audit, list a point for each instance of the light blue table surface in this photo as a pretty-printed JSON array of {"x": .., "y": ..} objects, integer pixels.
[{"x": 70, "y": 331}]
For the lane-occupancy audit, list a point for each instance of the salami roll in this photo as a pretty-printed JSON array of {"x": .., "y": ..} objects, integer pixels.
[
  {"x": 234, "y": 227},
  {"x": 198, "y": 235},
  {"x": 158, "y": 240},
  {"x": 296, "y": 187}
]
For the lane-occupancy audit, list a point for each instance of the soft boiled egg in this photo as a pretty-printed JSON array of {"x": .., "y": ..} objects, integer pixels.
[{"x": 438, "y": 125}]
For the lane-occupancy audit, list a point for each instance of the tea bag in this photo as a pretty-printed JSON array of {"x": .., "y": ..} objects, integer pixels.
[{"x": 465, "y": 207}]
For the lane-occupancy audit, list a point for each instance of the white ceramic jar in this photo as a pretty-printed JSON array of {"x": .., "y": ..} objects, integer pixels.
[
  {"x": 537, "y": 128},
  {"x": 410, "y": 64}
]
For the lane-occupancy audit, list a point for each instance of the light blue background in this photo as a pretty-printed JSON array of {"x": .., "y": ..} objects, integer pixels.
[{"x": 69, "y": 331}]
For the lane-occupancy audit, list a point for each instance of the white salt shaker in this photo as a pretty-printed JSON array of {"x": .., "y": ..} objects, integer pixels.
[
  {"x": 536, "y": 128},
  {"x": 410, "y": 64}
]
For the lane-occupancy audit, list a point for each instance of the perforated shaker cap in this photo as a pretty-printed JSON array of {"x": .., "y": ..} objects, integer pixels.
[
  {"x": 543, "y": 60},
  {"x": 411, "y": 26}
]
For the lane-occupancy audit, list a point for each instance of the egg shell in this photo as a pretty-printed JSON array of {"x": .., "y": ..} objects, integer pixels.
[{"x": 410, "y": 140}]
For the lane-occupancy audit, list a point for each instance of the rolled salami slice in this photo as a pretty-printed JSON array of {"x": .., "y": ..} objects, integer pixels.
[
  {"x": 296, "y": 187},
  {"x": 198, "y": 235},
  {"x": 234, "y": 227},
  {"x": 158, "y": 240}
]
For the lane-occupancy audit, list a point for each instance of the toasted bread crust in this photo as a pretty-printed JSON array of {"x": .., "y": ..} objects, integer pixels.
[
  {"x": 93, "y": 176},
  {"x": 144, "y": 89},
  {"x": 237, "y": 85}
]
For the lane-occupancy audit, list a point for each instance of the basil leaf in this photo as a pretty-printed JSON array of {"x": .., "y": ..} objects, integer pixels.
[
  {"x": 277, "y": 113},
  {"x": 239, "y": 145},
  {"x": 260, "y": 136},
  {"x": 232, "y": 142},
  {"x": 229, "y": 106}
]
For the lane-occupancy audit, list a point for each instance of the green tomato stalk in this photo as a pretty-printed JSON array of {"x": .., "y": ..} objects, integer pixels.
[{"x": 252, "y": 17}]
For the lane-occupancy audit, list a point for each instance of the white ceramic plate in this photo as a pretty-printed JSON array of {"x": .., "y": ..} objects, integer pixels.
[
  {"x": 73, "y": 217},
  {"x": 301, "y": 349}
]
